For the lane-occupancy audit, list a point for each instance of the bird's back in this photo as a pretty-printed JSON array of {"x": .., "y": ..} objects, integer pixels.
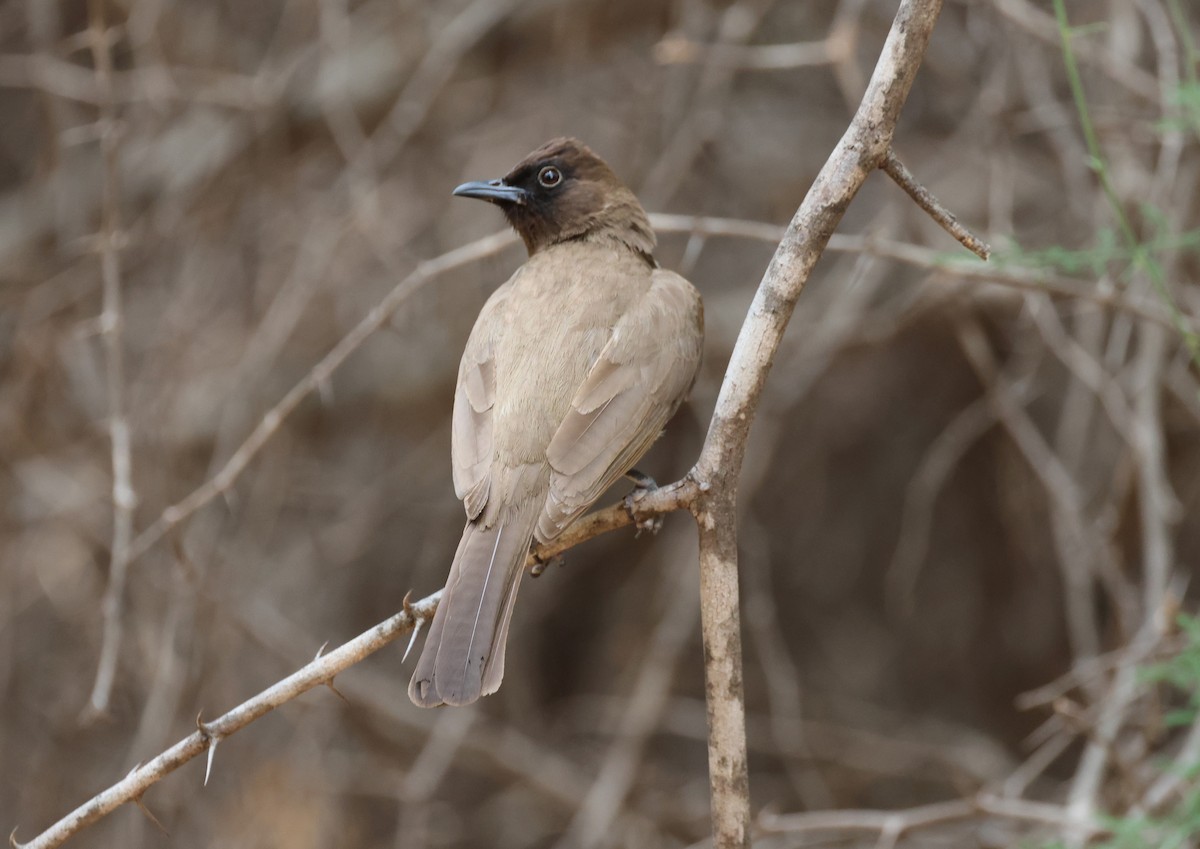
[{"x": 557, "y": 313}]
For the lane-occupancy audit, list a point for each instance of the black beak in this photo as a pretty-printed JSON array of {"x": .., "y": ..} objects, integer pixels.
[{"x": 493, "y": 190}]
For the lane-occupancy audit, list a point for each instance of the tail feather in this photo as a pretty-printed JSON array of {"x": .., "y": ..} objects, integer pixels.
[{"x": 463, "y": 657}]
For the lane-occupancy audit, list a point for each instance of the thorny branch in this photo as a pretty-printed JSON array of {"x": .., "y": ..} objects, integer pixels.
[{"x": 207, "y": 735}]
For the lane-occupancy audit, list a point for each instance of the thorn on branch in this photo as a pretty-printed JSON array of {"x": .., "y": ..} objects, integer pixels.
[
  {"x": 338, "y": 692},
  {"x": 412, "y": 640},
  {"x": 904, "y": 178},
  {"x": 137, "y": 800},
  {"x": 212, "y": 739},
  {"x": 212, "y": 752},
  {"x": 417, "y": 619},
  {"x": 324, "y": 388}
]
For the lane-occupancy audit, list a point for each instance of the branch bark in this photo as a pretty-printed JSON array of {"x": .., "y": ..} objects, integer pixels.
[{"x": 863, "y": 148}]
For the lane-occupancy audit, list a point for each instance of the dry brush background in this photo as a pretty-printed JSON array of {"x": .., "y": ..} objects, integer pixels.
[{"x": 959, "y": 485}]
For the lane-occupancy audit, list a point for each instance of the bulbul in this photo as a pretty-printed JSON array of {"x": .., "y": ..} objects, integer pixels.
[{"x": 570, "y": 373}]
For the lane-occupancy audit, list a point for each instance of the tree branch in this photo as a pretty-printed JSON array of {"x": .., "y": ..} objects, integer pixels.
[
  {"x": 208, "y": 734},
  {"x": 325, "y": 667},
  {"x": 112, "y": 321},
  {"x": 318, "y": 376},
  {"x": 925, "y": 199},
  {"x": 863, "y": 148}
]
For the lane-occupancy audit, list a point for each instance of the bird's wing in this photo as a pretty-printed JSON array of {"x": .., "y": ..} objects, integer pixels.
[
  {"x": 471, "y": 426},
  {"x": 640, "y": 378}
]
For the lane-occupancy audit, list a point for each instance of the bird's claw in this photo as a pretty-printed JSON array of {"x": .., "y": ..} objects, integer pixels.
[
  {"x": 652, "y": 523},
  {"x": 542, "y": 565}
]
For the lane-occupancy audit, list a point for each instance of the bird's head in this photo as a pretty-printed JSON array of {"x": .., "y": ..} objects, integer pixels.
[{"x": 564, "y": 191}]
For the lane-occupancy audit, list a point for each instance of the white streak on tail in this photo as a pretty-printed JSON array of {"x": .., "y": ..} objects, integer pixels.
[
  {"x": 482, "y": 596},
  {"x": 595, "y": 419}
]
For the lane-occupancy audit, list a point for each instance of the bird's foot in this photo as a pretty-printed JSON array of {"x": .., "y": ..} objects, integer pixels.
[
  {"x": 542, "y": 565},
  {"x": 642, "y": 483}
]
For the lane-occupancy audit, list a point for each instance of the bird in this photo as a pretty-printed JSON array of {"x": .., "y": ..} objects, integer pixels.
[{"x": 570, "y": 373}]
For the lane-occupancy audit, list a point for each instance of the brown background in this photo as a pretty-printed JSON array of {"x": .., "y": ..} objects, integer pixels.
[{"x": 874, "y": 678}]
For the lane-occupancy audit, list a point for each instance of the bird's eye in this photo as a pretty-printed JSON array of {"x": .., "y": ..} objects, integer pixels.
[{"x": 550, "y": 176}]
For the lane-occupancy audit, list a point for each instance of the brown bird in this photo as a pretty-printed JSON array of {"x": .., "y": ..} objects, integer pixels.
[{"x": 570, "y": 373}]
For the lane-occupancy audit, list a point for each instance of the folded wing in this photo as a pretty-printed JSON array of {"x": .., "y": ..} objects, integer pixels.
[
  {"x": 471, "y": 426},
  {"x": 639, "y": 380}
]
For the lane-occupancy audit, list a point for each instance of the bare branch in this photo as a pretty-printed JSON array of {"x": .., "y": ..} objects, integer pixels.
[
  {"x": 894, "y": 824},
  {"x": 220, "y": 483},
  {"x": 208, "y": 734},
  {"x": 677, "y": 50},
  {"x": 863, "y": 148},
  {"x": 323, "y": 669},
  {"x": 1041, "y": 25},
  {"x": 894, "y": 168},
  {"x": 317, "y": 377},
  {"x": 111, "y": 325}
]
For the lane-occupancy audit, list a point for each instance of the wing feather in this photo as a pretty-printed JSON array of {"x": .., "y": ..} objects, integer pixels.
[
  {"x": 640, "y": 378},
  {"x": 471, "y": 444}
]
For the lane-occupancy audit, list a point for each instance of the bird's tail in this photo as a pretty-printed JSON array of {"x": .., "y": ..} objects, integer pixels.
[{"x": 463, "y": 657}]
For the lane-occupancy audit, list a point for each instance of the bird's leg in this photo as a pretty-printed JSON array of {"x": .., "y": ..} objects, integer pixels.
[
  {"x": 642, "y": 483},
  {"x": 641, "y": 480},
  {"x": 542, "y": 565}
]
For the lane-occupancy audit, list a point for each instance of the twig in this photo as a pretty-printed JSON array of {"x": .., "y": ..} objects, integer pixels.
[
  {"x": 454, "y": 38},
  {"x": 895, "y": 824},
  {"x": 921, "y": 257},
  {"x": 1041, "y": 25},
  {"x": 654, "y": 502},
  {"x": 1092, "y": 668},
  {"x": 426, "y": 773},
  {"x": 695, "y": 127},
  {"x": 1082, "y": 545},
  {"x": 920, "y": 497},
  {"x": 320, "y": 671},
  {"x": 318, "y": 376},
  {"x": 862, "y": 148},
  {"x": 1085, "y": 786},
  {"x": 643, "y": 709},
  {"x": 679, "y": 50},
  {"x": 1174, "y": 780},
  {"x": 904, "y": 178},
  {"x": 1158, "y": 507},
  {"x": 1014, "y": 277},
  {"x": 111, "y": 325},
  {"x": 68, "y": 81},
  {"x": 208, "y": 734}
]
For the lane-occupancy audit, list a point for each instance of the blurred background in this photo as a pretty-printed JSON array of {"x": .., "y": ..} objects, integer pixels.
[{"x": 964, "y": 483}]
